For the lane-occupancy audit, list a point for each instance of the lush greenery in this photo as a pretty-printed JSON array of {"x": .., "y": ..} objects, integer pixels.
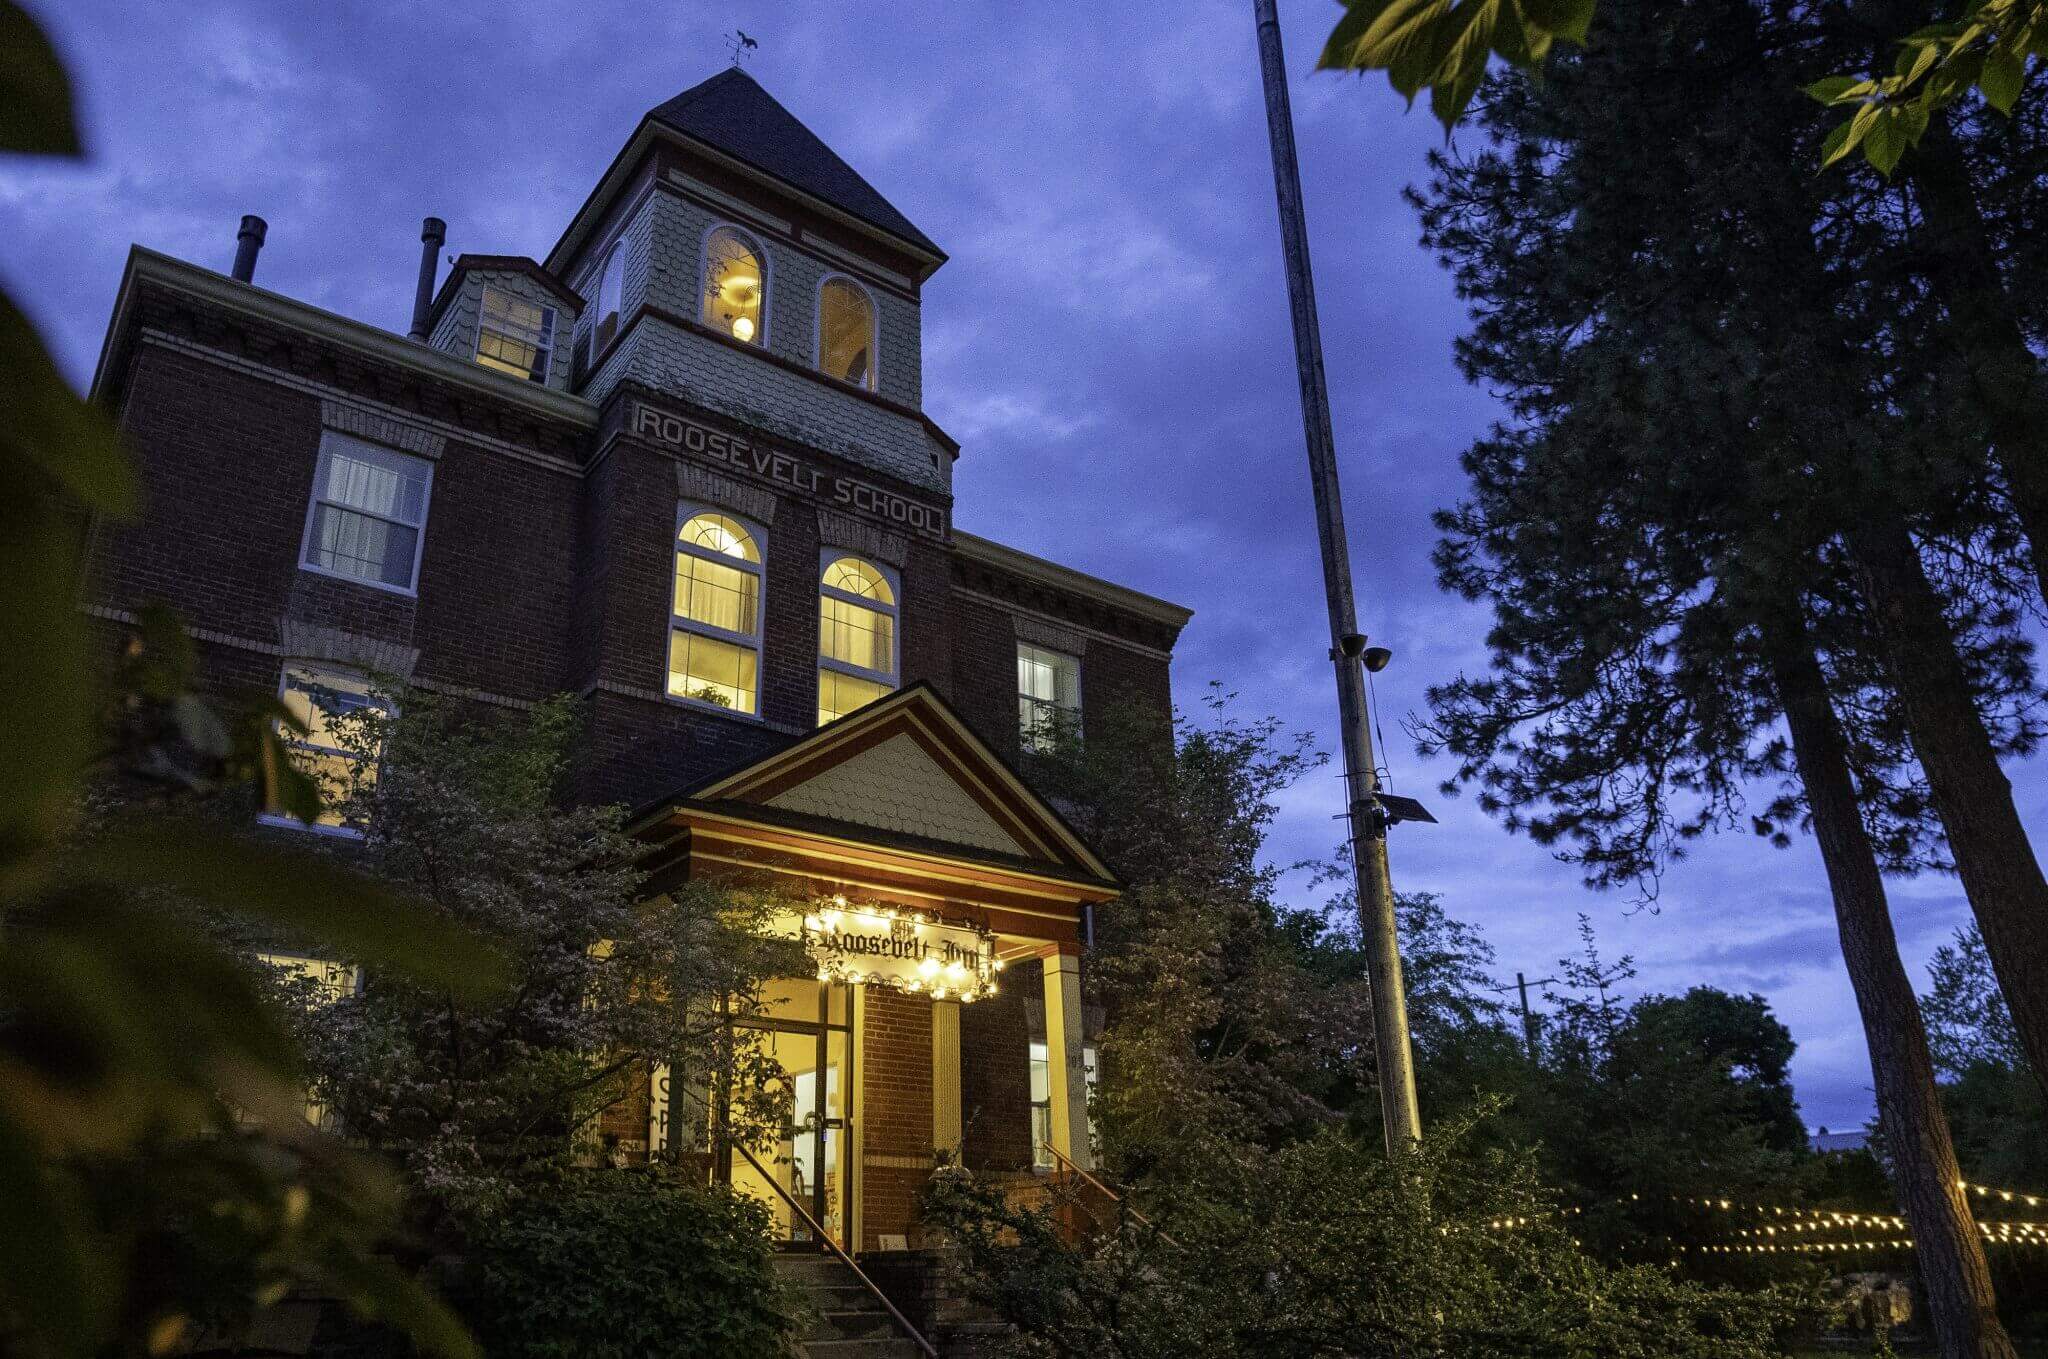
[
  {"x": 1444, "y": 46},
  {"x": 157, "y": 1175},
  {"x": 464, "y": 810},
  {"x": 624, "y": 1264}
]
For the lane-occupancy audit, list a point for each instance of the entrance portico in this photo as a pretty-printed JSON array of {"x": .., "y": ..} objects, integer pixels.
[{"x": 925, "y": 880}]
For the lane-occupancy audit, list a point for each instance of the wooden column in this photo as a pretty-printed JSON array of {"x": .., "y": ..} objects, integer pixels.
[{"x": 1067, "y": 1082}]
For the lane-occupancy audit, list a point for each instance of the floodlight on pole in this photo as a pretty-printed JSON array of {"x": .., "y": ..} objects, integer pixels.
[{"x": 1369, "y": 811}]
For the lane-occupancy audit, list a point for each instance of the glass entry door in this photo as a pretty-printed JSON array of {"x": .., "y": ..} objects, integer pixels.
[{"x": 806, "y": 1031}]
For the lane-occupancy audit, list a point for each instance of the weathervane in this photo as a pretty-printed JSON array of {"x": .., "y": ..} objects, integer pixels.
[{"x": 739, "y": 45}]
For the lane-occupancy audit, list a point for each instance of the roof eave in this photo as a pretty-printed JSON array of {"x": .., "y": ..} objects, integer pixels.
[{"x": 1052, "y": 573}]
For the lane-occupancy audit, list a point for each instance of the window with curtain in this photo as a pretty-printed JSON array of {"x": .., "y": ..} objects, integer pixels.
[
  {"x": 369, "y": 513},
  {"x": 734, "y": 284},
  {"x": 846, "y": 332},
  {"x": 856, "y": 635},
  {"x": 515, "y": 336},
  {"x": 714, "y": 646},
  {"x": 1048, "y": 696}
]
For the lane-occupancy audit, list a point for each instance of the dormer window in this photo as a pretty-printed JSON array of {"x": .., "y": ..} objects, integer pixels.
[
  {"x": 734, "y": 283},
  {"x": 515, "y": 336},
  {"x": 846, "y": 332},
  {"x": 611, "y": 292}
]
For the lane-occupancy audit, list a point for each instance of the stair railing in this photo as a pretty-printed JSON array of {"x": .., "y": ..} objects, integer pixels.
[
  {"x": 818, "y": 1233},
  {"x": 1067, "y": 1166}
]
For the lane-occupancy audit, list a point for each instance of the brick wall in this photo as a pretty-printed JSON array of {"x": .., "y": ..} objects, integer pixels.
[
  {"x": 895, "y": 1112},
  {"x": 995, "y": 1074}
]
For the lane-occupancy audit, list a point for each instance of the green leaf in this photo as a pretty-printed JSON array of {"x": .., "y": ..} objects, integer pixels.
[
  {"x": 348, "y": 911},
  {"x": 1839, "y": 89},
  {"x": 46, "y": 1268},
  {"x": 1567, "y": 19},
  {"x": 380, "y": 1290},
  {"x": 1838, "y": 144},
  {"x": 48, "y": 428},
  {"x": 2004, "y": 75},
  {"x": 35, "y": 95},
  {"x": 1887, "y": 140}
]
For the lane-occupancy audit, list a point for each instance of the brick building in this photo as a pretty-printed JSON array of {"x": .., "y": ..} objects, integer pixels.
[{"x": 680, "y": 469}]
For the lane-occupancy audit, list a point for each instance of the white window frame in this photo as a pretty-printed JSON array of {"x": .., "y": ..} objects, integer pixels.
[
  {"x": 615, "y": 254},
  {"x": 756, "y": 641},
  {"x": 890, "y": 677},
  {"x": 329, "y": 441},
  {"x": 554, "y": 320},
  {"x": 1024, "y": 736},
  {"x": 874, "y": 382},
  {"x": 760, "y": 340},
  {"x": 293, "y": 740}
]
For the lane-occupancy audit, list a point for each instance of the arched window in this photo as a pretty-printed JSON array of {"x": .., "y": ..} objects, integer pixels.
[
  {"x": 846, "y": 332},
  {"x": 611, "y": 291},
  {"x": 734, "y": 284},
  {"x": 714, "y": 640},
  {"x": 856, "y": 635}
]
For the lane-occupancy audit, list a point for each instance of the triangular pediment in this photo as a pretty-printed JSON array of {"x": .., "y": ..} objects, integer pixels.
[{"x": 907, "y": 766}]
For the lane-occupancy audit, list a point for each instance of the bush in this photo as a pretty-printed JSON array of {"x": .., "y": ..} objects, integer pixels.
[
  {"x": 621, "y": 1264},
  {"x": 1313, "y": 1249}
]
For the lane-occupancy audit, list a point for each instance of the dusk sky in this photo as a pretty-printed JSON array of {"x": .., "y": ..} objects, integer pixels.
[{"x": 1109, "y": 342}]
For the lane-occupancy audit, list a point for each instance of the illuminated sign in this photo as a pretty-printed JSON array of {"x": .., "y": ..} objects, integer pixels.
[
  {"x": 772, "y": 464},
  {"x": 903, "y": 950}
]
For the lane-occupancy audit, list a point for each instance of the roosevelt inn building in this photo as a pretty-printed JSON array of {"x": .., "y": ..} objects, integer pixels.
[{"x": 680, "y": 468}]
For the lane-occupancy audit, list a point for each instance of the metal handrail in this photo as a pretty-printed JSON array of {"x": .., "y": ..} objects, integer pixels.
[
  {"x": 818, "y": 1233},
  {"x": 1108, "y": 1193}
]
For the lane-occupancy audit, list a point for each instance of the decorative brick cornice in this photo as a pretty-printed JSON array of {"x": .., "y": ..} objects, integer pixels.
[
  {"x": 700, "y": 483},
  {"x": 843, "y": 530},
  {"x": 1036, "y": 630},
  {"x": 299, "y": 641},
  {"x": 380, "y": 429}
]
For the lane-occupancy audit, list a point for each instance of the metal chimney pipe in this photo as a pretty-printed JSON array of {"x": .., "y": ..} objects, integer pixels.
[
  {"x": 433, "y": 232},
  {"x": 248, "y": 241}
]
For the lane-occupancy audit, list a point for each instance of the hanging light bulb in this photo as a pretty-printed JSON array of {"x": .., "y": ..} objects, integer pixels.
[{"x": 743, "y": 327}]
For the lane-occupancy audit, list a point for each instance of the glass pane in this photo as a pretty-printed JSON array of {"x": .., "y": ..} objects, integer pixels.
[
  {"x": 856, "y": 635},
  {"x": 356, "y": 545},
  {"x": 805, "y": 1161},
  {"x": 721, "y": 534},
  {"x": 793, "y": 999},
  {"x": 712, "y": 671},
  {"x": 732, "y": 285},
  {"x": 376, "y": 481},
  {"x": 840, "y": 694},
  {"x": 712, "y": 592},
  {"x": 846, "y": 331},
  {"x": 1035, "y": 676},
  {"x": 856, "y": 577}
]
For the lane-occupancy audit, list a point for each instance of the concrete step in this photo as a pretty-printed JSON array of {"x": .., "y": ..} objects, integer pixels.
[
  {"x": 865, "y": 1324},
  {"x": 861, "y": 1349},
  {"x": 806, "y": 1270}
]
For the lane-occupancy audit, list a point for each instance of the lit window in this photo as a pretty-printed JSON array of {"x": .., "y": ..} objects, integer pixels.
[
  {"x": 611, "y": 293},
  {"x": 846, "y": 332},
  {"x": 1041, "y": 1100},
  {"x": 856, "y": 636},
  {"x": 714, "y": 645},
  {"x": 339, "y": 749},
  {"x": 369, "y": 513},
  {"x": 733, "y": 285},
  {"x": 1048, "y": 696},
  {"x": 515, "y": 336}
]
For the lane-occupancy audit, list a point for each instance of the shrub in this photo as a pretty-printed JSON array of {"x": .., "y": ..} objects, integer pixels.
[{"x": 621, "y": 1264}]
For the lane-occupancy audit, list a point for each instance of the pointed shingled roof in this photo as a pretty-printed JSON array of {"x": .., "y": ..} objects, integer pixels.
[{"x": 732, "y": 113}]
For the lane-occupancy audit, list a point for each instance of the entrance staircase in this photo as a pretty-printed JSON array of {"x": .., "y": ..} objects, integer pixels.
[{"x": 850, "y": 1322}]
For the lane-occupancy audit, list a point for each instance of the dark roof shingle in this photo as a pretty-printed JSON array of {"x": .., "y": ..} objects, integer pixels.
[{"x": 731, "y": 112}]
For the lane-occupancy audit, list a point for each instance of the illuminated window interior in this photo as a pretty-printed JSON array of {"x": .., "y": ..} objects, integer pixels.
[
  {"x": 714, "y": 648},
  {"x": 733, "y": 285},
  {"x": 337, "y": 751},
  {"x": 856, "y": 636},
  {"x": 846, "y": 332},
  {"x": 369, "y": 509},
  {"x": 1041, "y": 1099},
  {"x": 515, "y": 336},
  {"x": 1048, "y": 695}
]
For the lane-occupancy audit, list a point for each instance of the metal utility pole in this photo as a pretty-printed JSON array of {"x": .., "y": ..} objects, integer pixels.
[{"x": 1368, "y": 818}]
